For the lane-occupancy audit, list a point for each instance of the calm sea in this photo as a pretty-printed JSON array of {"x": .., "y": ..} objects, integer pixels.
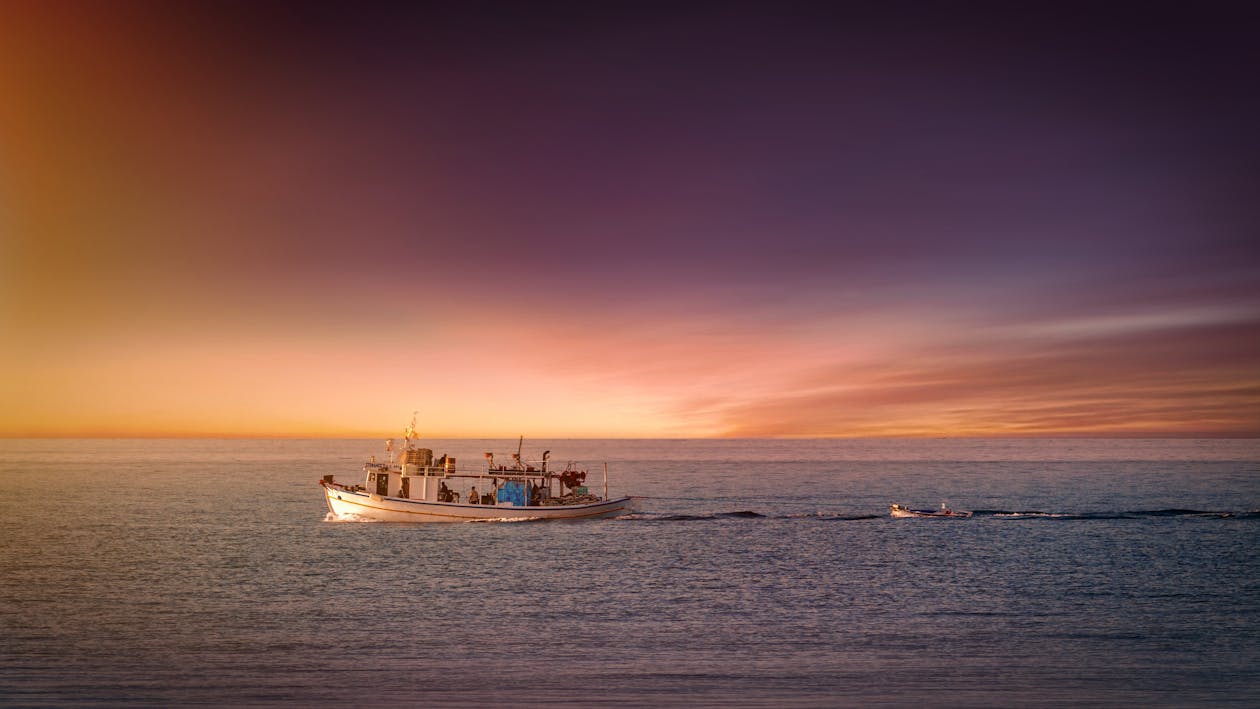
[{"x": 758, "y": 573}]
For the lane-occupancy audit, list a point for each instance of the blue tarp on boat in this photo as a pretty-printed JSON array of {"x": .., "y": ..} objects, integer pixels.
[{"x": 513, "y": 491}]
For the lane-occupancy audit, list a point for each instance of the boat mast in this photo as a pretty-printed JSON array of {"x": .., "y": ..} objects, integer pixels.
[{"x": 410, "y": 433}]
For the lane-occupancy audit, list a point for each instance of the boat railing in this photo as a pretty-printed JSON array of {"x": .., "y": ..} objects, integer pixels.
[{"x": 451, "y": 472}]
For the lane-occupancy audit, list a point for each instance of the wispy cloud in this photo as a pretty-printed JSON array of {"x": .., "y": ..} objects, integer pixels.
[
  {"x": 648, "y": 222},
  {"x": 1183, "y": 380}
]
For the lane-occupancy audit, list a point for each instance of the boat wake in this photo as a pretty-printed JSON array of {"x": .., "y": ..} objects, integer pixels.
[
  {"x": 662, "y": 517},
  {"x": 348, "y": 517},
  {"x": 821, "y": 515},
  {"x": 1128, "y": 514},
  {"x": 506, "y": 520},
  {"x": 741, "y": 514}
]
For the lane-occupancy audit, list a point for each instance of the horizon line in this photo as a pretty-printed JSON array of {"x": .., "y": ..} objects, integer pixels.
[{"x": 1149, "y": 435}]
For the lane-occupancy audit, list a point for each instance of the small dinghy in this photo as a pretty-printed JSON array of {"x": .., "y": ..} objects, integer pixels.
[{"x": 903, "y": 511}]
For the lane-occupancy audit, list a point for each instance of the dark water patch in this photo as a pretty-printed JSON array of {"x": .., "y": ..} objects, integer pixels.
[
  {"x": 660, "y": 517},
  {"x": 684, "y": 517},
  {"x": 832, "y": 517},
  {"x": 744, "y": 515},
  {"x": 972, "y": 614},
  {"x": 850, "y": 518}
]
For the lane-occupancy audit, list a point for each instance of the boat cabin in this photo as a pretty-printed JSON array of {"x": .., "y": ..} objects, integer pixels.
[{"x": 417, "y": 475}]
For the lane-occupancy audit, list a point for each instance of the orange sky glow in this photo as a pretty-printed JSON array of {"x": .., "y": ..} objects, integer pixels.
[{"x": 200, "y": 237}]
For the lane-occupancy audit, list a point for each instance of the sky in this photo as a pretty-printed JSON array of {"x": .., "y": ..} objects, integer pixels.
[{"x": 629, "y": 219}]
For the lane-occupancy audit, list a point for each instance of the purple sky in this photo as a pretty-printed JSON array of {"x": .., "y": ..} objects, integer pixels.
[
  {"x": 949, "y": 187},
  {"x": 662, "y": 148}
]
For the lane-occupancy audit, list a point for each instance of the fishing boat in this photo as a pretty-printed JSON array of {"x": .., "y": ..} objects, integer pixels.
[
  {"x": 414, "y": 486},
  {"x": 903, "y": 511}
]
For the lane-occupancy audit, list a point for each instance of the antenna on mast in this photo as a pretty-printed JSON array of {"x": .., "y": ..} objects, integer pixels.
[{"x": 410, "y": 433}]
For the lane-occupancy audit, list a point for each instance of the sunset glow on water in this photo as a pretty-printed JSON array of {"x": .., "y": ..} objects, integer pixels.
[{"x": 753, "y": 573}]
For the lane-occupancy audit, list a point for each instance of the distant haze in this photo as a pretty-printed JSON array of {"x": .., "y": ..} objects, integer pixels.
[{"x": 643, "y": 220}]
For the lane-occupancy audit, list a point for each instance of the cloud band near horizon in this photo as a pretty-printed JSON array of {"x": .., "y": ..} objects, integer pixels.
[{"x": 711, "y": 221}]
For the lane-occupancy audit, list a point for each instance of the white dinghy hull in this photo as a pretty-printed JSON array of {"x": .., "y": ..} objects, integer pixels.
[{"x": 902, "y": 512}]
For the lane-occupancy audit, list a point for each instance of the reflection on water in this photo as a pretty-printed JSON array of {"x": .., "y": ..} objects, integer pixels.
[{"x": 756, "y": 573}]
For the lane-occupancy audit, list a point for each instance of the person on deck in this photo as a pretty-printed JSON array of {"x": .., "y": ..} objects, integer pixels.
[{"x": 473, "y": 497}]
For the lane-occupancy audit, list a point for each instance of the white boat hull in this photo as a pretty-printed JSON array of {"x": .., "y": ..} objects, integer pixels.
[
  {"x": 900, "y": 512},
  {"x": 347, "y": 504}
]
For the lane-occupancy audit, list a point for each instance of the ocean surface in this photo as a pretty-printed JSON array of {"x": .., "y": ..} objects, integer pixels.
[{"x": 756, "y": 573}]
